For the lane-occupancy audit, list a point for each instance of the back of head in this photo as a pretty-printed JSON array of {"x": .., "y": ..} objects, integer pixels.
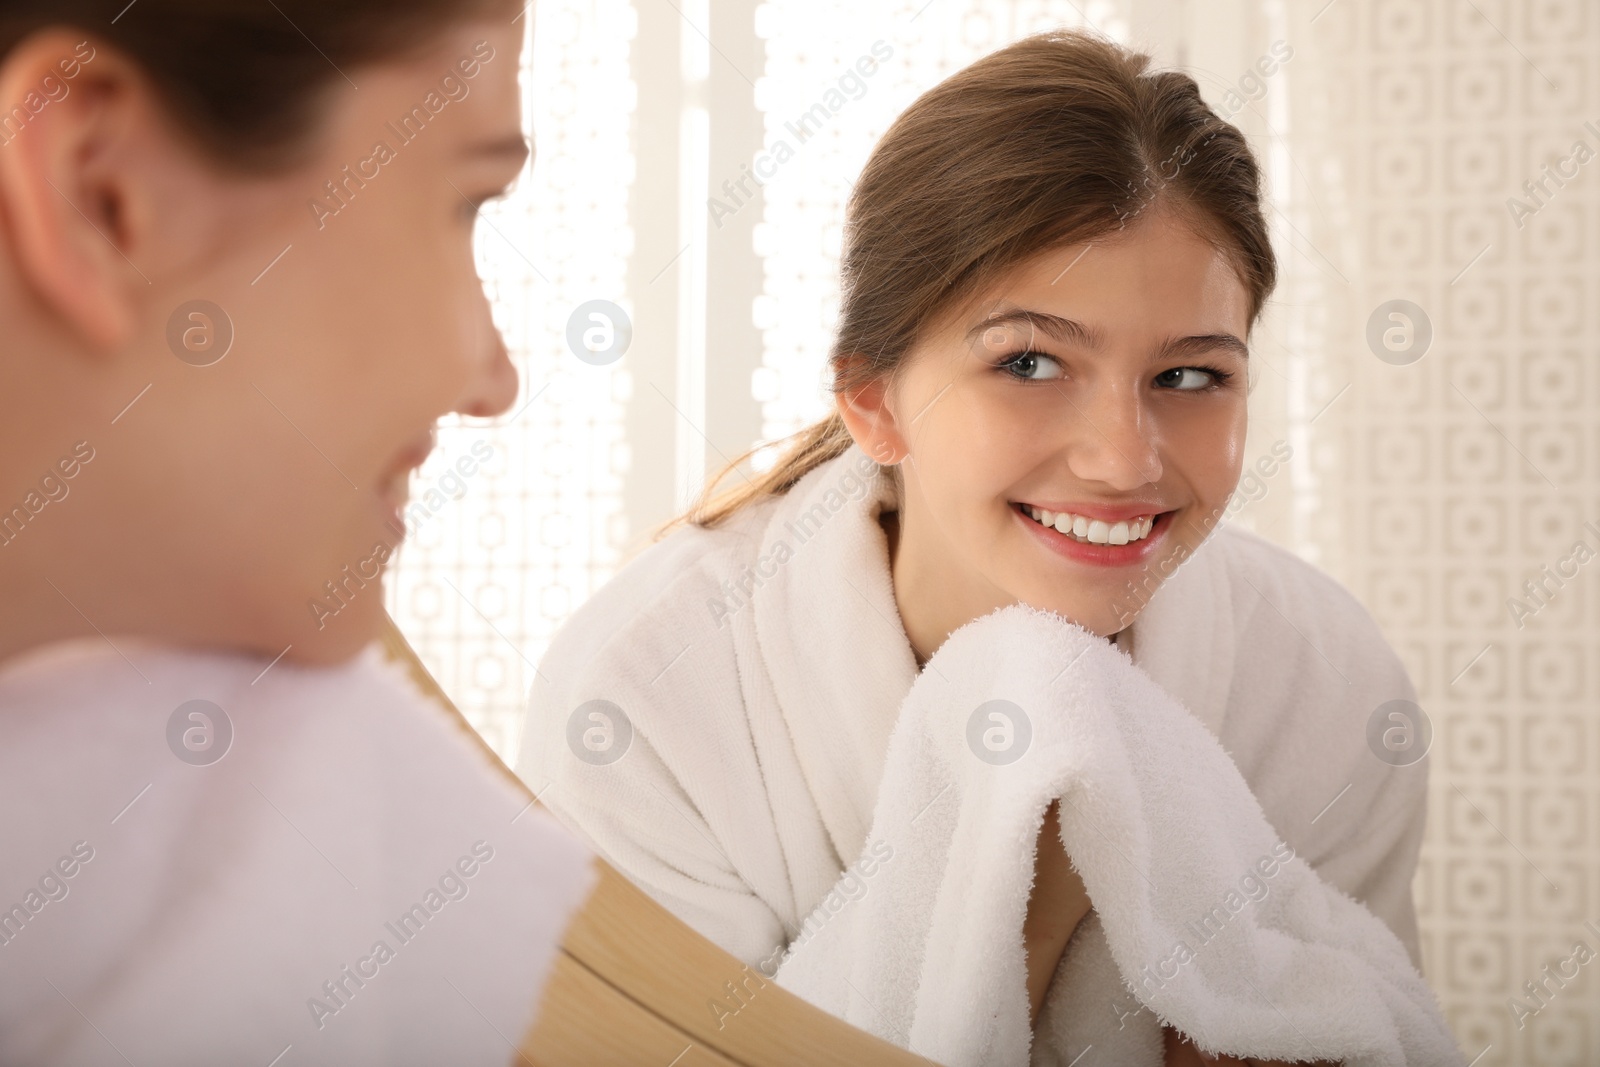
[
  {"x": 237, "y": 274},
  {"x": 245, "y": 79}
]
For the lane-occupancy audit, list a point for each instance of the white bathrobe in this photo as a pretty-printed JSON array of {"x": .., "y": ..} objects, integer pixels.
[{"x": 716, "y": 722}]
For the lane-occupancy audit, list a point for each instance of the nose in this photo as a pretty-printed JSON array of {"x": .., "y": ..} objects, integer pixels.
[
  {"x": 1113, "y": 443},
  {"x": 494, "y": 384}
]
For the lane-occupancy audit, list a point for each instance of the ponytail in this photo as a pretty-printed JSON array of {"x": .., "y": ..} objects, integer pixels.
[{"x": 803, "y": 452}]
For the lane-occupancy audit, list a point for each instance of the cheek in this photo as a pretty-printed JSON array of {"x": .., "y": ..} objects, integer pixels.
[
  {"x": 1225, "y": 459},
  {"x": 409, "y": 322},
  {"x": 982, "y": 442},
  {"x": 1204, "y": 440},
  {"x": 990, "y": 429}
]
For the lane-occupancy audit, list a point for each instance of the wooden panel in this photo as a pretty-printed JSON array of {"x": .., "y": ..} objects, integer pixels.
[
  {"x": 665, "y": 965},
  {"x": 584, "y": 1022},
  {"x": 663, "y": 977}
]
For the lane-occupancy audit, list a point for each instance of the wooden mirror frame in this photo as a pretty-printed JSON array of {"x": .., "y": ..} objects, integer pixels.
[{"x": 632, "y": 983}]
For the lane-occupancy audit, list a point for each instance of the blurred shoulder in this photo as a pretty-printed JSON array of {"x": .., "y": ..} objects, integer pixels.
[
  {"x": 680, "y": 592},
  {"x": 1268, "y": 577},
  {"x": 1302, "y": 639}
]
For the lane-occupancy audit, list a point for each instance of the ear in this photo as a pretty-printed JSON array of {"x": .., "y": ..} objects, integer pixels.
[
  {"x": 70, "y": 218},
  {"x": 869, "y": 416}
]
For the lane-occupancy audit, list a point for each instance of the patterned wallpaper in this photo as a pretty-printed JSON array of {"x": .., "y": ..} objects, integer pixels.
[{"x": 1451, "y": 157}]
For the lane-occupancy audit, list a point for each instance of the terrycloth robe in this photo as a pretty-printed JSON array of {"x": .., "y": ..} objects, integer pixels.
[{"x": 716, "y": 722}]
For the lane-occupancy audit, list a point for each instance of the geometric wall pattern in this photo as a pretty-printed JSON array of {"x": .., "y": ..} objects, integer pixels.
[{"x": 1457, "y": 492}]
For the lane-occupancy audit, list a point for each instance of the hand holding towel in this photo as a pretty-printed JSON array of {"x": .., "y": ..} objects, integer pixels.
[{"x": 1216, "y": 928}]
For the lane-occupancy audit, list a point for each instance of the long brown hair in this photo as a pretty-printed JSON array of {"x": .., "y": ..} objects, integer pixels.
[
  {"x": 247, "y": 78},
  {"x": 1056, "y": 139}
]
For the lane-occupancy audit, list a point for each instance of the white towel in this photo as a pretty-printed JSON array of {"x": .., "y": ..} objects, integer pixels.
[{"x": 1172, "y": 846}]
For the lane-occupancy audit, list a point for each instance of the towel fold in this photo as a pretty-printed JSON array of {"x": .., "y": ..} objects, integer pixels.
[{"x": 1206, "y": 915}]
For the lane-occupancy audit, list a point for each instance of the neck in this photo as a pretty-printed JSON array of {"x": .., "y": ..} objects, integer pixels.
[
  {"x": 35, "y": 613},
  {"x": 933, "y": 602}
]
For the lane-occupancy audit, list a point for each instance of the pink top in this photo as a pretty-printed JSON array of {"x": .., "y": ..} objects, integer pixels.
[{"x": 202, "y": 861}]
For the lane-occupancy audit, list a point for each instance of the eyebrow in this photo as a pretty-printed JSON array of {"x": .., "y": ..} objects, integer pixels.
[{"x": 1071, "y": 332}]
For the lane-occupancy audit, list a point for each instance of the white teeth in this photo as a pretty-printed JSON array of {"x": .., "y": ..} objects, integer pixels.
[{"x": 1095, "y": 531}]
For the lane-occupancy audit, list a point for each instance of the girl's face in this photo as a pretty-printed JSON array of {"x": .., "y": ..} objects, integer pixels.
[
  {"x": 1073, "y": 437},
  {"x": 256, "y": 500}
]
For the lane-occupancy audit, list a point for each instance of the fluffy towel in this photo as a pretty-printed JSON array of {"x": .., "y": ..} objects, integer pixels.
[{"x": 1215, "y": 933}]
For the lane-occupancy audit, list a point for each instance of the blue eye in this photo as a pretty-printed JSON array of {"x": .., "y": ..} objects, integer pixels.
[
  {"x": 1192, "y": 379},
  {"x": 1033, "y": 367}
]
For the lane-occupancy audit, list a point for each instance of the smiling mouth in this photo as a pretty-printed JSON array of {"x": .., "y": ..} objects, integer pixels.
[{"x": 1089, "y": 531}]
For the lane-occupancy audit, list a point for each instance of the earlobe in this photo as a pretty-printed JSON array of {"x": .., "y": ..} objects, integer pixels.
[{"x": 63, "y": 209}]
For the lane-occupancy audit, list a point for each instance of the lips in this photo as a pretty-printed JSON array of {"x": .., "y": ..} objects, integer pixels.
[
  {"x": 415, "y": 455},
  {"x": 1114, "y": 544},
  {"x": 393, "y": 489}
]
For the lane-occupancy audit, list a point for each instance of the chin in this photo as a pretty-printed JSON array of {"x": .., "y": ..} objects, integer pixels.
[
  {"x": 330, "y": 631},
  {"x": 281, "y": 641},
  {"x": 331, "y": 650}
]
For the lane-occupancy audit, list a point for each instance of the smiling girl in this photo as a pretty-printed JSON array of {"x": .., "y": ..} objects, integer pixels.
[{"x": 1051, "y": 268}]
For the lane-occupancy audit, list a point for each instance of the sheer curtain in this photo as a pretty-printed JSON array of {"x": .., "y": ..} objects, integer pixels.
[
  {"x": 817, "y": 47},
  {"x": 1430, "y": 364}
]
